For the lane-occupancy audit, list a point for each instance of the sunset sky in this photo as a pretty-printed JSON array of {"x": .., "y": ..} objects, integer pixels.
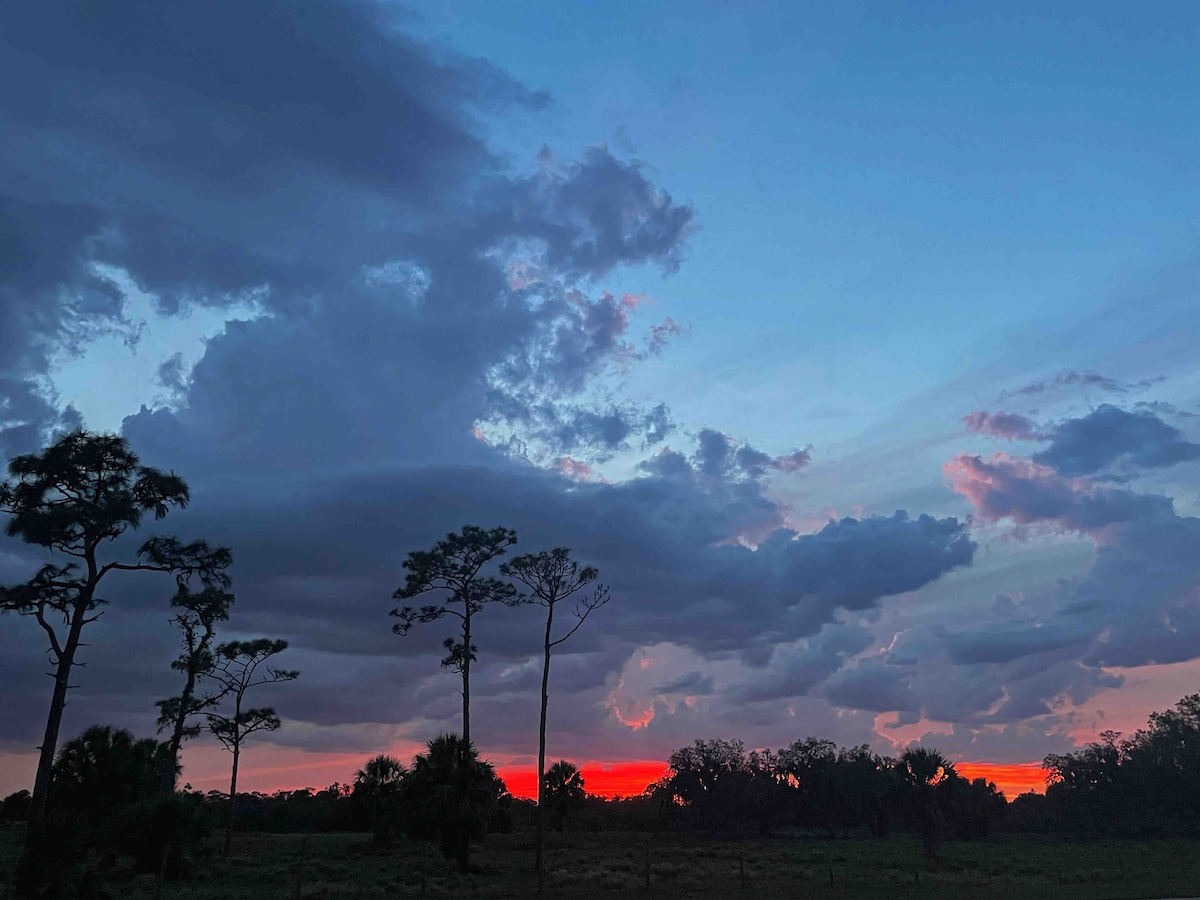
[{"x": 854, "y": 343}]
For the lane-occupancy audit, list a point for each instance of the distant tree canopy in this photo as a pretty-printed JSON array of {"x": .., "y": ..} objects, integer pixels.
[
  {"x": 1146, "y": 784},
  {"x": 716, "y": 785}
]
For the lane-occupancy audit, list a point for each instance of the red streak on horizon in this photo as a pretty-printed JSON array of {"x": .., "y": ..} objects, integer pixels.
[
  {"x": 623, "y": 779},
  {"x": 1012, "y": 778},
  {"x": 628, "y": 779}
]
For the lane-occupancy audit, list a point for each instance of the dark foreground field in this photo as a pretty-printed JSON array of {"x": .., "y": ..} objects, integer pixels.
[{"x": 582, "y": 866}]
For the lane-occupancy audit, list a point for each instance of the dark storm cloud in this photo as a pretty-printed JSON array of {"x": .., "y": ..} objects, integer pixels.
[
  {"x": 43, "y": 249},
  {"x": 598, "y": 213},
  {"x": 1007, "y": 642},
  {"x": 795, "y": 668},
  {"x": 719, "y": 457},
  {"x": 210, "y": 151},
  {"x": 319, "y": 162},
  {"x": 918, "y": 679},
  {"x": 1110, "y": 436}
]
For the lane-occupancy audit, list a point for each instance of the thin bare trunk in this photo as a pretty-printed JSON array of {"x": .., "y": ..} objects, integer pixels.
[
  {"x": 237, "y": 749},
  {"x": 466, "y": 676},
  {"x": 30, "y": 862},
  {"x": 58, "y": 701},
  {"x": 171, "y": 775},
  {"x": 541, "y": 774}
]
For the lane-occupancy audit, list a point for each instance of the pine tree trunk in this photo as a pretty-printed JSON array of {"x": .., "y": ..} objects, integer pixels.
[
  {"x": 237, "y": 750},
  {"x": 171, "y": 775},
  {"x": 466, "y": 676},
  {"x": 31, "y": 862},
  {"x": 541, "y": 774},
  {"x": 58, "y": 701}
]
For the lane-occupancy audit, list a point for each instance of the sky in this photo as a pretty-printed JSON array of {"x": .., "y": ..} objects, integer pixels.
[{"x": 854, "y": 345}]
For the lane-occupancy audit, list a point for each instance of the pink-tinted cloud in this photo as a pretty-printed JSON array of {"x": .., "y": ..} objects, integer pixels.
[
  {"x": 1009, "y": 426},
  {"x": 575, "y": 469},
  {"x": 1025, "y": 492},
  {"x": 662, "y": 333}
]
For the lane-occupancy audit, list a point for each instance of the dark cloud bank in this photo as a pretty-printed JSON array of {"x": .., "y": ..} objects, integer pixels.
[
  {"x": 1137, "y": 605},
  {"x": 317, "y": 161}
]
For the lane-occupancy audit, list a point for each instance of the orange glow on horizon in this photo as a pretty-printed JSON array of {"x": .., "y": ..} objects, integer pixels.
[
  {"x": 624, "y": 779},
  {"x": 1012, "y": 778}
]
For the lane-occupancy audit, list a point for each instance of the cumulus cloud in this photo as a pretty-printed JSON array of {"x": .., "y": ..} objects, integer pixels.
[
  {"x": 1111, "y": 437},
  {"x": 415, "y": 292},
  {"x": 1027, "y": 492},
  {"x": 1137, "y": 605}
]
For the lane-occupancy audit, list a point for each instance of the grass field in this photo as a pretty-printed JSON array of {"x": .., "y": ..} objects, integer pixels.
[{"x": 345, "y": 866}]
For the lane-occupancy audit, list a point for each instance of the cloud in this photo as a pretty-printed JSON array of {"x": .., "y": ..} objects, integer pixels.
[
  {"x": 1087, "y": 378},
  {"x": 1027, "y": 492},
  {"x": 661, "y": 334},
  {"x": 1111, "y": 437},
  {"x": 720, "y": 457},
  {"x": 1010, "y": 426},
  {"x": 1135, "y": 606},
  {"x": 416, "y": 292},
  {"x": 794, "y": 669},
  {"x": 692, "y": 683}
]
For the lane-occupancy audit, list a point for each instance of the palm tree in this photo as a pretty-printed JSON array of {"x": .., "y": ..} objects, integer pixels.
[
  {"x": 377, "y": 786},
  {"x": 563, "y": 790},
  {"x": 450, "y": 795},
  {"x": 105, "y": 768},
  {"x": 924, "y": 772}
]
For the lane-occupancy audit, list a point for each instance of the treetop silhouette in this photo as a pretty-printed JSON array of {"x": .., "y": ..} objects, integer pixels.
[
  {"x": 453, "y": 567},
  {"x": 83, "y": 491}
]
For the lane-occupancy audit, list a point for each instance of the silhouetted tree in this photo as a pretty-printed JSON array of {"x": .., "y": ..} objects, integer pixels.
[
  {"x": 106, "y": 801},
  {"x": 709, "y": 783},
  {"x": 927, "y": 773},
  {"x": 811, "y": 765},
  {"x": 196, "y": 619},
  {"x": 562, "y": 791},
  {"x": 1145, "y": 784},
  {"x": 454, "y": 566},
  {"x": 975, "y": 807},
  {"x": 551, "y": 577},
  {"x": 15, "y": 807},
  {"x": 377, "y": 787},
  {"x": 501, "y": 820},
  {"x": 236, "y": 669},
  {"x": 106, "y": 768},
  {"x": 449, "y": 795},
  {"x": 81, "y": 492}
]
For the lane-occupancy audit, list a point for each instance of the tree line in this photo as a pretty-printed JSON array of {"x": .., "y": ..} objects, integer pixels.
[
  {"x": 85, "y": 491},
  {"x": 106, "y": 795}
]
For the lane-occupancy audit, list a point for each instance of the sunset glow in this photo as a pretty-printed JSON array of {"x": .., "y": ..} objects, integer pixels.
[
  {"x": 622, "y": 779},
  {"x": 524, "y": 386},
  {"x": 1012, "y": 779}
]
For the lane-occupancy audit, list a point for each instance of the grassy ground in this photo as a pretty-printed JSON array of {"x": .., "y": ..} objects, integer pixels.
[{"x": 582, "y": 866}]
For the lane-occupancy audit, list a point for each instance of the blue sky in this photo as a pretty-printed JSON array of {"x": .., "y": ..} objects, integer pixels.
[
  {"x": 866, "y": 221},
  {"x": 869, "y": 181}
]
